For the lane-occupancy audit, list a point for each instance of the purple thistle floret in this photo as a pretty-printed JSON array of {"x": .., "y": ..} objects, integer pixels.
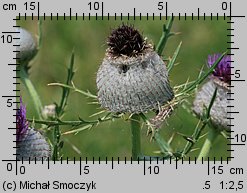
[
  {"x": 22, "y": 123},
  {"x": 223, "y": 69}
]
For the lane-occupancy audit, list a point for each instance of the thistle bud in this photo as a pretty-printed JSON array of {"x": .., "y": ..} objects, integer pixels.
[
  {"x": 49, "y": 111},
  {"x": 220, "y": 79},
  {"x": 27, "y": 49},
  {"x": 132, "y": 77},
  {"x": 31, "y": 145}
]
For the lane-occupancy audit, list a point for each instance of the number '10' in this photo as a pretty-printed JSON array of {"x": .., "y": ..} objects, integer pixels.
[
  {"x": 7, "y": 39},
  {"x": 153, "y": 170},
  {"x": 94, "y": 6}
]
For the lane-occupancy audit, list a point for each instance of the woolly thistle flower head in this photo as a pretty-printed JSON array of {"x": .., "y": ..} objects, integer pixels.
[
  {"x": 132, "y": 77},
  {"x": 126, "y": 40},
  {"x": 27, "y": 49},
  {"x": 31, "y": 144}
]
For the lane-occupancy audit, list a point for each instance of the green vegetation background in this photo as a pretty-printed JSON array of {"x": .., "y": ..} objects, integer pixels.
[{"x": 88, "y": 39}]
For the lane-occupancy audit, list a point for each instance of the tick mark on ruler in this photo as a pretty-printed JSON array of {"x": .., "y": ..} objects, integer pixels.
[
  {"x": 14, "y": 64},
  {"x": 10, "y": 96},
  {"x": 70, "y": 12},
  {"x": 232, "y": 112},
  {"x": 112, "y": 162},
  {"x": 232, "y": 144},
  {"x": 176, "y": 161},
  {"x": 80, "y": 165},
  {"x": 12, "y": 32},
  {"x": 235, "y": 80}
]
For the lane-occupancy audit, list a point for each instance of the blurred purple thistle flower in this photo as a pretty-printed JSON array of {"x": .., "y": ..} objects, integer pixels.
[
  {"x": 223, "y": 69},
  {"x": 22, "y": 123},
  {"x": 220, "y": 80},
  {"x": 31, "y": 144}
]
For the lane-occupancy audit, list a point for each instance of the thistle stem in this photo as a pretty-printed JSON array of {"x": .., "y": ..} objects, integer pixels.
[
  {"x": 195, "y": 136},
  {"x": 211, "y": 137},
  {"x": 165, "y": 35},
  {"x": 31, "y": 89},
  {"x": 136, "y": 136},
  {"x": 56, "y": 142}
]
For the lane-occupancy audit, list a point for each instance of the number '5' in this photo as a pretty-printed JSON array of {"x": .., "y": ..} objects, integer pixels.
[{"x": 9, "y": 103}]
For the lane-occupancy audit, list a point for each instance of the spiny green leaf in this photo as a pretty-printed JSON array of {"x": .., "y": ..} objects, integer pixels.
[
  {"x": 211, "y": 103},
  {"x": 66, "y": 91},
  {"x": 174, "y": 57},
  {"x": 203, "y": 77},
  {"x": 82, "y": 120},
  {"x": 88, "y": 94},
  {"x": 164, "y": 146},
  {"x": 76, "y": 131}
]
